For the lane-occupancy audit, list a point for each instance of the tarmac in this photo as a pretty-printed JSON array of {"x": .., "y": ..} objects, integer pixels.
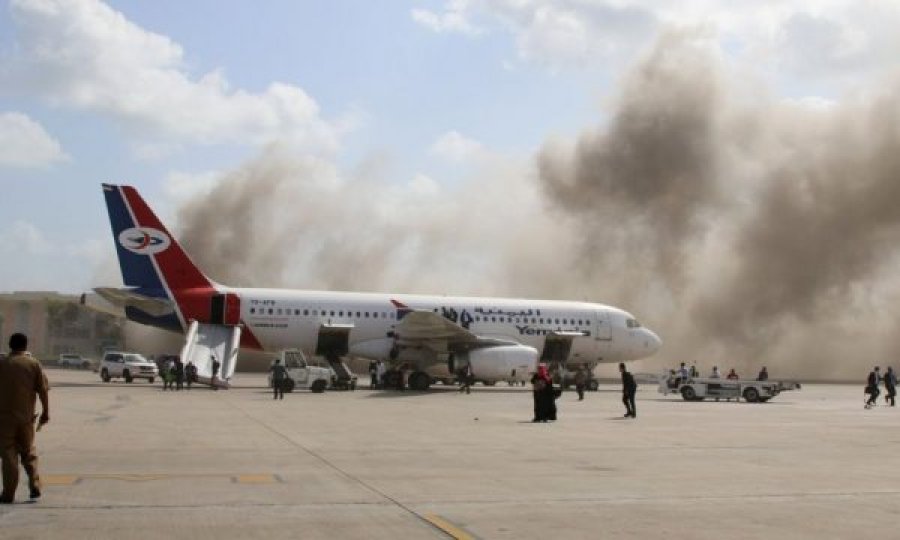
[{"x": 131, "y": 461}]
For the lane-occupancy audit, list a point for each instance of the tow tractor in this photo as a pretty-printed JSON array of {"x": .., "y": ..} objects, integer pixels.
[{"x": 700, "y": 388}]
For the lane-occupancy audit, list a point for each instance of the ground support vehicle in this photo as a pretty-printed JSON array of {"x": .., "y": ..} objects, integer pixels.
[
  {"x": 698, "y": 389},
  {"x": 342, "y": 378},
  {"x": 69, "y": 360},
  {"x": 128, "y": 366},
  {"x": 302, "y": 375}
]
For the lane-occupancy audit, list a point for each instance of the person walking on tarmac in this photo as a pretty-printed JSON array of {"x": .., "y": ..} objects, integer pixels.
[
  {"x": 580, "y": 378},
  {"x": 466, "y": 378},
  {"x": 215, "y": 371},
  {"x": 373, "y": 374},
  {"x": 890, "y": 386},
  {"x": 872, "y": 387},
  {"x": 190, "y": 373},
  {"x": 379, "y": 372},
  {"x": 179, "y": 374},
  {"x": 279, "y": 375},
  {"x": 629, "y": 389},
  {"x": 21, "y": 380},
  {"x": 544, "y": 395}
]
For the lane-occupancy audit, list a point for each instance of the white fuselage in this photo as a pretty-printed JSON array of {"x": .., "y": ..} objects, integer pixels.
[{"x": 282, "y": 319}]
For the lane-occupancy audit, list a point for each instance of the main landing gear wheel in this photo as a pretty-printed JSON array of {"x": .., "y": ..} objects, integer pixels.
[{"x": 390, "y": 379}]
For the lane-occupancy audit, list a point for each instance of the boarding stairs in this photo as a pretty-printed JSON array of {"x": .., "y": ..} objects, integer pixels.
[
  {"x": 204, "y": 340},
  {"x": 344, "y": 378}
]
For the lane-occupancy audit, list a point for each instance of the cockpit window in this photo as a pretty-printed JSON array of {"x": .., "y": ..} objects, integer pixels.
[{"x": 633, "y": 323}]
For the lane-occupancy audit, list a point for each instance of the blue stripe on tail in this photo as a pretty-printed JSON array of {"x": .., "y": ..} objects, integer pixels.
[{"x": 137, "y": 270}]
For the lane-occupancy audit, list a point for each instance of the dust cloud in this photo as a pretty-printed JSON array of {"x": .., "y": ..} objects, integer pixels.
[{"x": 745, "y": 229}]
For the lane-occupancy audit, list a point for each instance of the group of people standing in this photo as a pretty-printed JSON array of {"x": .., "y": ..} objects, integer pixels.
[
  {"x": 175, "y": 373},
  {"x": 874, "y": 380}
]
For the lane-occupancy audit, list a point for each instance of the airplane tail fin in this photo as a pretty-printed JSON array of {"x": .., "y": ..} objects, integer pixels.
[{"x": 153, "y": 264}]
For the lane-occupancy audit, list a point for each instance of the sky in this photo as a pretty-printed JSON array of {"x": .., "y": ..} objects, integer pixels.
[
  {"x": 169, "y": 96},
  {"x": 726, "y": 171}
]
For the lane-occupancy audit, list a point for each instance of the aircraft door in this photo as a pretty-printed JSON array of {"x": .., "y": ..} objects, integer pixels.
[
  {"x": 602, "y": 326},
  {"x": 556, "y": 351},
  {"x": 333, "y": 340},
  {"x": 217, "y": 309},
  {"x": 225, "y": 309}
]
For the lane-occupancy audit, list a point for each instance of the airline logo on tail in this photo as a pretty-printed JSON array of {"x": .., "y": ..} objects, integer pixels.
[{"x": 144, "y": 240}]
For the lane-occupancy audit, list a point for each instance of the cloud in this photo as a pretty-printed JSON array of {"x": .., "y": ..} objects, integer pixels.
[
  {"x": 453, "y": 146},
  {"x": 23, "y": 237},
  {"x": 82, "y": 54},
  {"x": 453, "y": 19},
  {"x": 24, "y": 143},
  {"x": 744, "y": 228},
  {"x": 832, "y": 42}
]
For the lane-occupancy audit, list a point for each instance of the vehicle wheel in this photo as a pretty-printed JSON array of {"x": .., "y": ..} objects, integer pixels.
[
  {"x": 104, "y": 375},
  {"x": 688, "y": 393},
  {"x": 150, "y": 380},
  {"x": 85, "y": 365},
  {"x": 318, "y": 386},
  {"x": 288, "y": 385},
  {"x": 593, "y": 386},
  {"x": 751, "y": 394},
  {"x": 127, "y": 375},
  {"x": 419, "y": 381},
  {"x": 390, "y": 379}
]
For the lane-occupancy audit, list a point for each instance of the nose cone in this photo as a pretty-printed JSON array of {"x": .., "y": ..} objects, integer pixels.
[{"x": 652, "y": 342}]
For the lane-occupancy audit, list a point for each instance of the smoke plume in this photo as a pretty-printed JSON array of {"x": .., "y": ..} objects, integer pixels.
[{"x": 745, "y": 229}]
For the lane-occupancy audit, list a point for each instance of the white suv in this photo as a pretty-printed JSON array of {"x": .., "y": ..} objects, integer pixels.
[
  {"x": 73, "y": 360},
  {"x": 128, "y": 366}
]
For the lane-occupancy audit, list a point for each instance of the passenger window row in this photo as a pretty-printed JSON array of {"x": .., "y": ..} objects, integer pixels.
[
  {"x": 320, "y": 313},
  {"x": 385, "y": 315}
]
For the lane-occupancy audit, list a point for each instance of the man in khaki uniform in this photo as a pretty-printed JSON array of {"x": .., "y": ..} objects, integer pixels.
[{"x": 21, "y": 380}]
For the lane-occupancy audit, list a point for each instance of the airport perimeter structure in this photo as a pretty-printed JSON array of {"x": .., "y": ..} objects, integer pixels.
[{"x": 131, "y": 461}]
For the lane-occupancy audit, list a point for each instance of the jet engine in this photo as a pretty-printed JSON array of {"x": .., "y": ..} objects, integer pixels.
[{"x": 503, "y": 363}]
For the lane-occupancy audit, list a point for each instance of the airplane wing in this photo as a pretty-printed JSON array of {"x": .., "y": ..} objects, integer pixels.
[
  {"x": 156, "y": 307},
  {"x": 427, "y": 327}
]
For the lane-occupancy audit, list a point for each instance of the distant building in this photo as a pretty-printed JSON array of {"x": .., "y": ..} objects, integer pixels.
[{"x": 57, "y": 323}]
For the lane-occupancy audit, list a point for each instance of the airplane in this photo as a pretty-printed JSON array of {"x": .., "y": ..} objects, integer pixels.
[{"x": 429, "y": 337}]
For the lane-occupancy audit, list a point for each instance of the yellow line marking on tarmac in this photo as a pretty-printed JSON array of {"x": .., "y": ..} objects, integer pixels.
[
  {"x": 59, "y": 479},
  {"x": 129, "y": 477},
  {"x": 448, "y": 527},
  {"x": 72, "y": 479}
]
